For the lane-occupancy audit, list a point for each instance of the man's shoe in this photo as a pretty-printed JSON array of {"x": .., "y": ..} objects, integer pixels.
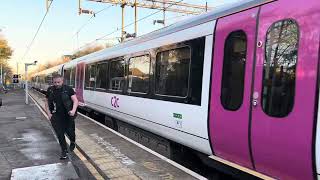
[
  {"x": 63, "y": 155},
  {"x": 72, "y": 146}
]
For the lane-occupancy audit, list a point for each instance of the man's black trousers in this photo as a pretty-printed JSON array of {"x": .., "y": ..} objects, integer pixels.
[{"x": 63, "y": 124}]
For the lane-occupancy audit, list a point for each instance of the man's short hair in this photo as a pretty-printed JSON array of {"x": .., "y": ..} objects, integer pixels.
[{"x": 55, "y": 76}]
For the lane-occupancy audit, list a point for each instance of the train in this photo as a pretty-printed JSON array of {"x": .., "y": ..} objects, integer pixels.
[{"x": 239, "y": 84}]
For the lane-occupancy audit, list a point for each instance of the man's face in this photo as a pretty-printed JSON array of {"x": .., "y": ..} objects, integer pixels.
[{"x": 57, "y": 82}]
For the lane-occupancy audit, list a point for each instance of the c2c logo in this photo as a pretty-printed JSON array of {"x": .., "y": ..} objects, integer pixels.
[{"x": 114, "y": 101}]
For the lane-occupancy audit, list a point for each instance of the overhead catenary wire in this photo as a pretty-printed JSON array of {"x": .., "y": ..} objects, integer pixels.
[
  {"x": 176, "y": 17},
  {"x": 118, "y": 29},
  {"x": 185, "y": 8},
  {"x": 87, "y": 22},
  {"x": 36, "y": 34}
]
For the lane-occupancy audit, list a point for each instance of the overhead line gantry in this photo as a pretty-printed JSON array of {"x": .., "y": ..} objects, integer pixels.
[{"x": 163, "y": 5}]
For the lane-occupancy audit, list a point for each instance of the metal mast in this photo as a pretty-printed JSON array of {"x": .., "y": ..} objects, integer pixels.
[{"x": 163, "y": 5}]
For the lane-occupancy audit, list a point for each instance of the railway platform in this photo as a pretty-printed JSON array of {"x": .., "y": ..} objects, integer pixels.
[{"x": 29, "y": 149}]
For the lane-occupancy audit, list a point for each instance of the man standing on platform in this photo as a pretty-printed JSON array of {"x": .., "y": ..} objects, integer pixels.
[{"x": 61, "y": 106}]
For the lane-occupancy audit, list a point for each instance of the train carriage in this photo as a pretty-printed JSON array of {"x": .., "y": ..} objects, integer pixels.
[
  {"x": 239, "y": 84},
  {"x": 42, "y": 80}
]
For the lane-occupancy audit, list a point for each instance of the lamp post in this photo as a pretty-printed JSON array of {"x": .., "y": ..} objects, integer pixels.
[
  {"x": 1, "y": 63},
  {"x": 26, "y": 78},
  {"x": 4, "y": 82},
  {"x": 1, "y": 83}
]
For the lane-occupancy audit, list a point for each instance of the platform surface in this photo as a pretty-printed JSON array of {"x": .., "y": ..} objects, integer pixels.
[
  {"x": 45, "y": 172},
  {"x": 27, "y": 142}
]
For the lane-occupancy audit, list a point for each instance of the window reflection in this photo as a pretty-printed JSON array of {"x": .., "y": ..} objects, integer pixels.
[
  {"x": 234, "y": 61},
  {"x": 73, "y": 76},
  {"x": 48, "y": 79},
  {"x": 67, "y": 76},
  {"x": 139, "y": 68},
  {"x": 101, "y": 81},
  {"x": 116, "y": 75},
  {"x": 90, "y": 76},
  {"x": 172, "y": 72},
  {"x": 279, "y": 71}
]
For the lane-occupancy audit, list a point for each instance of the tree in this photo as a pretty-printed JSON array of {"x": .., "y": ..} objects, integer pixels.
[
  {"x": 67, "y": 58},
  {"x": 85, "y": 51},
  {"x": 5, "y": 54},
  {"x": 5, "y": 50},
  {"x": 7, "y": 72},
  {"x": 90, "y": 49}
]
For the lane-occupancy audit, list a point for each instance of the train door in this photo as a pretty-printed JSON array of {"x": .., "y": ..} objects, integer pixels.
[
  {"x": 79, "y": 81},
  {"x": 235, "y": 38},
  {"x": 284, "y": 92}
]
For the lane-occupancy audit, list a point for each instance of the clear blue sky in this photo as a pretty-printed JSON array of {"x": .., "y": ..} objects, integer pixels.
[{"x": 19, "y": 20}]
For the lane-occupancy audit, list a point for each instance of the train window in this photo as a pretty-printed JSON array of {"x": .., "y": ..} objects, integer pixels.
[
  {"x": 279, "y": 68},
  {"x": 73, "y": 77},
  {"x": 66, "y": 76},
  {"x": 117, "y": 80},
  {"x": 196, "y": 76},
  {"x": 139, "y": 69},
  {"x": 80, "y": 75},
  {"x": 233, "y": 72},
  {"x": 43, "y": 79},
  {"x": 101, "y": 81},
  {"x": 172, "y": 72},
  {"x": 48, "y": 79},
  {"x": 90, "y": 76}
]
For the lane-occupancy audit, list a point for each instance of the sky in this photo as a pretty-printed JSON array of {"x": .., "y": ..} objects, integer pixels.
[{"x": 19, "y": 20}]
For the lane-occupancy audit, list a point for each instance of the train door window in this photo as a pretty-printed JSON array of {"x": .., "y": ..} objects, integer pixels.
[
  {"x": 233, "y": 72},
  {"x": 73, "y": 77},
  {"x": 66, "y": 76},
  {"x": 101, "y": 81},
  {"x": 139, "y": 69},
  {"x": 90, "y": 76},
  {"x": 172, "y": 72},
  {"x": 116, "y": 81},
  {"x": 279, "y": 68}
]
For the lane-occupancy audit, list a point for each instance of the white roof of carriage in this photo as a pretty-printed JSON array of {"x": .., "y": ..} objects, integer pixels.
[{"x": 188, "y": 23}]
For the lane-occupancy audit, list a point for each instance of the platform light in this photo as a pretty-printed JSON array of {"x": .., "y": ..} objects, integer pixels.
[{"x": 26, "y": 78}]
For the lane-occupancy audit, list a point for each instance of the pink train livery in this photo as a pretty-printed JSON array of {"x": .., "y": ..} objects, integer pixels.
[{"x": 239, "y": 85}]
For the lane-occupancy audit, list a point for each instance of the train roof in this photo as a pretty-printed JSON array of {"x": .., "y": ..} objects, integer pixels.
[
  {"x": 49, "y": 71},
  {"x": 197, "y": 20},
  {"x": 188, "y": 23}
]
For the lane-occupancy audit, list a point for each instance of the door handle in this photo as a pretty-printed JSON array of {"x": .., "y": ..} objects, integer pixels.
[{"x": 255, "y": 98}]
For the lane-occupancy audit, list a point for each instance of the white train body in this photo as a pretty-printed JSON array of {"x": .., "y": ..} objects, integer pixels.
[{"x": 219, "y": 84}]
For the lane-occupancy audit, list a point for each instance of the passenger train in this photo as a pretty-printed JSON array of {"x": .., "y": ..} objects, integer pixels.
[{"x": 239, "y": 84}]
